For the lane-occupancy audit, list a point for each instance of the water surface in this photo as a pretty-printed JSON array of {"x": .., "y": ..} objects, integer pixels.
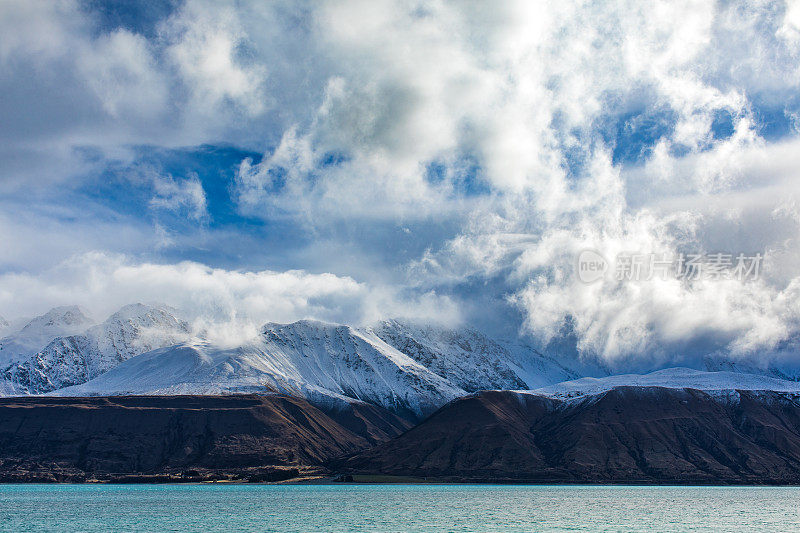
[{"x": 382, "y": 508}]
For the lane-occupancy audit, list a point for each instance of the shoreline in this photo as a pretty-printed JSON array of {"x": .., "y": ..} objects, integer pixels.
[{"x": 373, "y": 479}]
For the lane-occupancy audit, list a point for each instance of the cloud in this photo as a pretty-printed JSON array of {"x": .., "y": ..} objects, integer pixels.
[
  {"x": 120, "y": 69},
  {"x": 532, "y": 105},
  {"x": 213, "y": 298},
  {"x": 206, "y": 48},
  {"x": 72, "y": 82},
  {"x": 453, "y": 152},
  {"x": 186, "y": 195}
]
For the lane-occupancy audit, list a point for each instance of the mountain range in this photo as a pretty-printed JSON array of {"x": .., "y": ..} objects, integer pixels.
[
  {"x": 57, "y": 349},
  {"x": 409, "y": 369},
  {"x": 393, "y": 398}
]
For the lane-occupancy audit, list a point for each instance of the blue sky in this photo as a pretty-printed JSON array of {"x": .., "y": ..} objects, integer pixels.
[{"x": 445, "y": 161}]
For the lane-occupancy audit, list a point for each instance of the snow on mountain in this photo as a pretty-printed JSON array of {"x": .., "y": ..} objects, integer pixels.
[
  {"x": 356, "y": 364},
  {"x": 75, "y": 359},
  {"x": 409, "y": 369},
  {"x": 540, "y": 369},
  {"x": 319, "y": 361},
  {"x": 465, "y": 357},
  {"x": 37, "y": 333},
  {"x": 672, "y": 378},
  {"x": 4, "y": 325},
  {"x": 786, "y": 369},
  {"x": 476, "y": 362},
  {"x": 405, "y": 368}
]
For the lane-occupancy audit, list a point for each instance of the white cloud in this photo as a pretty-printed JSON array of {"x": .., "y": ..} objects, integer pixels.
[
  {"x": 518, "y": 103},
  {"x": 545, "y": 79},
  {"x": 180, "y": 196},
  {"x": 121, "y": 70},
  {"x": 790, "y": 29},
  {"x": 213, "y": 298},
  {"x": 207, "y": 40}
]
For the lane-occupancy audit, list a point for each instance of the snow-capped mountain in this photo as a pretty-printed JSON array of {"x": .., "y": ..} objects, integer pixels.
[
  {"x": 4, "y": 325},
  {"x": 464, "y": 357},
  {"x": 777, "y": 368},
  {"x": 476, "y": 362},
  {"x": 407, "y": 368},
  {"x": 74, "y": 359},
  {"x": 40, "y": 331},
  {"x": 670, "y": 378},
  {"x": 356, "y": 364},
  {"x": 326, "y": 363}
]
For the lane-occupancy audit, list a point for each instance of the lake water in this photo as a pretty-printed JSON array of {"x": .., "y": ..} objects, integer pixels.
[{"x": 378, "y": 508}]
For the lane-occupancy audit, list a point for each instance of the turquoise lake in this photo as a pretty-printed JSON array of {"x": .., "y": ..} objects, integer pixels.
[{"x": 379, "y": 508}]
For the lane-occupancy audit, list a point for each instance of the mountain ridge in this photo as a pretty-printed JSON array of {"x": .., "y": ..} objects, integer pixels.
[
  {"x": 177, "y": 438},
  {"x": 622, "y": 435},
  {"x": 75, "y": 359},
  {"x": 408, "y": 368},
  {"x": 37, "y": 332}
]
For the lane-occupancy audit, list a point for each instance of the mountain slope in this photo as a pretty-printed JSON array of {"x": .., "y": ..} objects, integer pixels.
[
  {"x": 70, "y": 438},
  {"x": 464, "y": 357},
  {"x": 539, "y": 368},
  {"x": 75, "y": 359},
  {"x": 40, "y": 331},
  {"x": 474, "y": 362},
  {"x": 325, "y": 363},
  {"x": 626, "y": 434}
]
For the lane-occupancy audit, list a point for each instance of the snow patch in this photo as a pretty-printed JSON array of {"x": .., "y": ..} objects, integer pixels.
[{"x": 718, "y": 383}]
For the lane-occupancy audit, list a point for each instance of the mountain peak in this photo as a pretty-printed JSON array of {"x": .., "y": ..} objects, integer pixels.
[
  {"x": 69, "y": 316},
  {"x": 38, "y": 332},
  {"x": 139, "y": 312},
  {"x": 306, "y": 325},
  {"x": 74, "y": 357}
]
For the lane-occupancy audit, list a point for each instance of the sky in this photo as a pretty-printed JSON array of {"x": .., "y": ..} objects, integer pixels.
[{"x": 440, "y": 161}]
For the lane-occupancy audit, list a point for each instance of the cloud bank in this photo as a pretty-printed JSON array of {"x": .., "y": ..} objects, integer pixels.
[{"x": 226, "y": 305}]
